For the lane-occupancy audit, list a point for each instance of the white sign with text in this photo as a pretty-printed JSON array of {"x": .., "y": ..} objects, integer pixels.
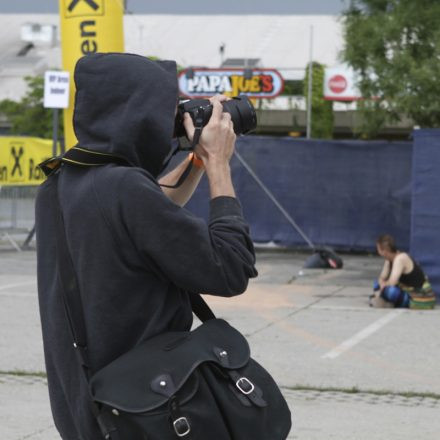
[{"x": 56, "y": 89}]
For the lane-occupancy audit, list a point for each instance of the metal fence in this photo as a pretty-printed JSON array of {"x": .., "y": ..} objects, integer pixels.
[{"x": 16, "y": 215}]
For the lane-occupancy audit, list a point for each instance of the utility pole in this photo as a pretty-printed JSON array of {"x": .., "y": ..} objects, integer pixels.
[{"x": 310, "y": 89}]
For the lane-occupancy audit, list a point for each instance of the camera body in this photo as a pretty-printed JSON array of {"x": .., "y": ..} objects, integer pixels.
[{"x": 240, "y": 108}]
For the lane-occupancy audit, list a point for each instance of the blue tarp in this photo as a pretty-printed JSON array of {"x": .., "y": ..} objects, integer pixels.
[
  {"x": 425, "y": 215},
  {"x": 341, "y": 193}
]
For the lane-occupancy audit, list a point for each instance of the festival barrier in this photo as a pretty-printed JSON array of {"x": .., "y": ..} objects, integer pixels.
[
  {"x": 425, "y": 212},
  {"x": 19, "y": 158},
  {"x": 341, "y": 193},
  {"x": 19, "y": 178}
]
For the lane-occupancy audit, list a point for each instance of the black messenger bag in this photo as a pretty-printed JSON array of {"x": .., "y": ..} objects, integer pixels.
[
  {"x": 198, "y": 385},
  {"x": 194, "y": 385}
]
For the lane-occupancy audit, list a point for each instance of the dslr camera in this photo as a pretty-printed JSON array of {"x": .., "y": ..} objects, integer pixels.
[{"x": 240, "y": 108}]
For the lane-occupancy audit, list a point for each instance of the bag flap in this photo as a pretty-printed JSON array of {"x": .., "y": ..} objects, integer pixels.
[{"x": 145, "y": 377}]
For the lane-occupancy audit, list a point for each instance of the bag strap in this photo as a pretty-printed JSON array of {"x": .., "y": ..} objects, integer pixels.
[
  {"x": 71, "y": 292},
  {"x": 74, "y": 310},
  {"x": 200, "y": 307}
]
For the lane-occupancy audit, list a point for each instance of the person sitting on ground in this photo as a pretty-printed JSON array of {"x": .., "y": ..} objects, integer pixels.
[{"x": 402, "y": 282}]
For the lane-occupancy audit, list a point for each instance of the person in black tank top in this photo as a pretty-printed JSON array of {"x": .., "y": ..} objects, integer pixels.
[
  {"x": 402, "y": 281},
  {"x": 415, "y": 278}
]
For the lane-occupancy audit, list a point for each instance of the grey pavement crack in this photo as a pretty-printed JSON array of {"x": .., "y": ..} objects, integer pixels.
[
  {"x": 295, "y": 312},
  {"x": 359, "y": 396},
  {"x": 40, "y": 431}
]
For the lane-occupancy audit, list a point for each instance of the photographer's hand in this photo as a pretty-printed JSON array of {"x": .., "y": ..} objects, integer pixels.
[{"x": 215, "y": 148}]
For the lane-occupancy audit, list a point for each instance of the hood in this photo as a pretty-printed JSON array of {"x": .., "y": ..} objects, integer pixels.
[{"x": 125, "y": 105}]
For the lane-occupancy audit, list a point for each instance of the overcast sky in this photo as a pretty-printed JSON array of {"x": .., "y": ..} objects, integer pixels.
[{"x": 194, "y": 6}]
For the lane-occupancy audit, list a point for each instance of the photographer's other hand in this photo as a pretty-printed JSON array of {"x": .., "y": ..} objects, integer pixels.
[
  {"x": 217, "y": 141},
  {"x": 216, "y": 147}
]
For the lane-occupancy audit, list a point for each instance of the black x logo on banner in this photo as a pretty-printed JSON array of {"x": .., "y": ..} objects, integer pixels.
[
  {"x": 91, "y": 3},
  {"x": 17, "y": 157}
]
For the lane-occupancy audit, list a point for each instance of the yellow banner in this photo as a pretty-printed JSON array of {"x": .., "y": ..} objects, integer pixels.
[
  {"x": 87, "y": 26},
  {"x": 19, "y": 158}
]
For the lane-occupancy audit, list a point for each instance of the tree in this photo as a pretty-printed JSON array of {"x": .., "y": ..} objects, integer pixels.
[
  {"x": 394, "y": 45},
  {"x": 293, "y": 87},
  {"x": 29, "y": 117},
  {"x": 322, "y": 110}
]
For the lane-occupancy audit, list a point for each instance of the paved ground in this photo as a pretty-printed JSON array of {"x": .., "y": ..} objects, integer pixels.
[{"x": 348, "y": 371}]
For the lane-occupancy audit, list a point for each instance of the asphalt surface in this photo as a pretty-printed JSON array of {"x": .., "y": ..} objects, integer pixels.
[{"x": 347, "y": 371}]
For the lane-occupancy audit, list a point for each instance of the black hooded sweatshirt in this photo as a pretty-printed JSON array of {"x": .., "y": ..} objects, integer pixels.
[{"x": 136, "y": 254}]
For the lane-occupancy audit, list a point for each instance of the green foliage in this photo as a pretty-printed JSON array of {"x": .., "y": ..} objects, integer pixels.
[
  {"x": 395, "y": 47},
  {"x": 372, "y": 116},
  {"x": 29, "y": 117},
  {"x": 293, "y": 88},
  {"x": 322, "y": 110}
]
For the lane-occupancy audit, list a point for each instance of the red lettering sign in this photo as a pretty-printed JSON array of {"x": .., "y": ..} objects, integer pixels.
[
  {"x": 337, "y": 84},
  {"x": 266, "y": 83}
]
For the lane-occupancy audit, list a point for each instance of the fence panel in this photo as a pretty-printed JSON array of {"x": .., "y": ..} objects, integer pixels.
[
  {"x": 425, "y": 228},
  {"x": 16, "y": 213},
  {"x": 341, "y": 193}
]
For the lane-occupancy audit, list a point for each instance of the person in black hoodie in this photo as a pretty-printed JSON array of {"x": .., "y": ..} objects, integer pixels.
[{"x": 136, "y": 251}]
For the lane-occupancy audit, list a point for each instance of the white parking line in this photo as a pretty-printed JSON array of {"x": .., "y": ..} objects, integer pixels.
[
  {"x": 363, "y": 334},
  {"x": 339, "y": 308}
]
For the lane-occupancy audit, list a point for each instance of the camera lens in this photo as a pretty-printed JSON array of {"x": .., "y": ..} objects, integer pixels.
[{"x": 242, "y": 112}]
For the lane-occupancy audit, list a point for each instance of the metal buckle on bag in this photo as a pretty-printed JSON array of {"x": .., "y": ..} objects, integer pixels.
[
  {"x": 181, "y": 426},
  {"x": 247, "y": 382}
]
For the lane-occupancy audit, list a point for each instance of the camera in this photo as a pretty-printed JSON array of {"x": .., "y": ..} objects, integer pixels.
[{"x": 239, "y": 107}]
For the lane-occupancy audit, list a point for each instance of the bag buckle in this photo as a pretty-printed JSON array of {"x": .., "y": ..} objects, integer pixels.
[
  {"x": 181, "y": 426},
  {"x": 248, "y": 384}
]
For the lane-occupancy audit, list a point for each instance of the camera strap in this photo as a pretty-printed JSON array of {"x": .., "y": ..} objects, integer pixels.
[
  {"x": 184, "y": 145},
  {"x": 80, "y": 156},
  {"x": 182, "y": 177},
  {"x": 83, "y": 157},
  {"x": 198, "y": 127},
  {"x": 196, "y": 138}
]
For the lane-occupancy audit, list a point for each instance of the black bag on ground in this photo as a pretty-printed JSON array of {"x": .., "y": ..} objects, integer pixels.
[{"x": 194, "y": 385}]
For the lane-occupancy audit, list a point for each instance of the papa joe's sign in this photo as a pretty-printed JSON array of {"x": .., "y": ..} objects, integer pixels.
[{"x": 264, "y": 83}]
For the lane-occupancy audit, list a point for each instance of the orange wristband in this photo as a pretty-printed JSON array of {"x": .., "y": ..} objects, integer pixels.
[{"x": 197, "y": 162}]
